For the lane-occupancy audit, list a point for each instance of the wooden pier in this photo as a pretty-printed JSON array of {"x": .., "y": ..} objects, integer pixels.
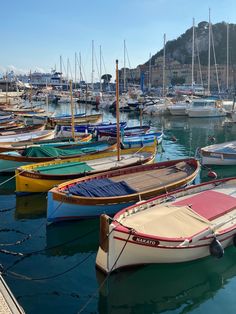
[{"x": 8, "y": 303}]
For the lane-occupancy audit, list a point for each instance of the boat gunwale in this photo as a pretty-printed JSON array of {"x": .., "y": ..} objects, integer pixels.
[
  {"x": 38, "y": 175},
  {"x": 130, "y": 210},
  {"x": 60, "y": 195}
]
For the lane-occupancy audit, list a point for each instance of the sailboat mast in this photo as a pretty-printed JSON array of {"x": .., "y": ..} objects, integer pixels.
[
  {"x": 75, "y": 68},
  {"x": 30, "y": 89},
  {"x": 150, "y": 70},
  {"x": 100, "y": 70},
  {"x": 227, "y": 58},
  {"x": 209, "y": 52},
  {"x": 80, "y": 71},
  {"x": 92, "y": 63},
  {"x": 61, "y": 71},
  {"x": 72, "y": 112},
  {"x": 117, "y": 113},
  {"x": 124, "y": 66},
  {"x": 6, "y": 89},
  {"x": 67, "y": 72},
  {"x": 193, "y": 54},
  {"x": 164, "y": 66}
]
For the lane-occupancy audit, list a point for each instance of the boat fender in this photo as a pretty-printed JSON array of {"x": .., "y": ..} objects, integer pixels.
[
  {"x": 216, "y": 249},
  {"x": 212, "y": 174}
]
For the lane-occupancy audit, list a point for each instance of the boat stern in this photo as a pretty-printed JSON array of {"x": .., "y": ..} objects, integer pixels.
[{"x": 103, "y": 255}]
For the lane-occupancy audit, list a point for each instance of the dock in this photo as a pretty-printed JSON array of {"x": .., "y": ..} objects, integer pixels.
[{"x": 8, "y": 303}]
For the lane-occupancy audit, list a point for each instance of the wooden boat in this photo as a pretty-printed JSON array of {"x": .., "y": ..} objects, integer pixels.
[
  {"x": 9, "y": 161},
  {"x": 19, "y": 129},
  {"x": 179, "y": 226},
  {"x": 142, "y": 139},
  {"x": 128, "y": 131},
  {"x": 111, "y": 191},
  {"x": 54, "y": 142},
  {"x": 219, "y": 154},
  {"x": 90, "y": 128},
  {"x": 42, "y": 177},
  {"x": 10, "y": 125},
  {"x": 6, "y": 140},
  {"x": 93, "y": 118},
  {"x": 4, "y": 118},
  {"x": 20, "y": 110},
  {"x": 35, "y": 118}
]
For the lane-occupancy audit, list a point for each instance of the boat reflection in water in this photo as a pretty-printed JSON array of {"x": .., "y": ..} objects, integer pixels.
[
  {"x": 165, "y": 287},
  {"x": 70, "y": 238},
  {"x": 31, "y": 206}
]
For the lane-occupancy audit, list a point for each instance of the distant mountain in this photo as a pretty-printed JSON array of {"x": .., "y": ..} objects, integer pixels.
[{"x": 180, "y": 49}]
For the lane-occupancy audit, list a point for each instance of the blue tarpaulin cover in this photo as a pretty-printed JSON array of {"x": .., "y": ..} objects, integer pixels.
[{"x": 101, "y": 188}]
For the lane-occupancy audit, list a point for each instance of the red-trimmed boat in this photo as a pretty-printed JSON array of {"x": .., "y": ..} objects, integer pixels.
[{"x": 180, "y": 226}]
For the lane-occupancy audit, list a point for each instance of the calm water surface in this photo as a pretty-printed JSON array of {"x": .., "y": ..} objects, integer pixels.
[{"x": 57, "y": 272}]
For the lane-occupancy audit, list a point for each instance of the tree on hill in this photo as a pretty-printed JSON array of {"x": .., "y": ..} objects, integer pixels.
[
  {"x": 106, "y": 78},
  {"x": 180, "y": 49}
]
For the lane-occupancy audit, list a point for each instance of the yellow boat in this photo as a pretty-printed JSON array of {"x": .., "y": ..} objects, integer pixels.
[
  {"x": 92, "y": 118},
  {"x": 41, "y": 177}
]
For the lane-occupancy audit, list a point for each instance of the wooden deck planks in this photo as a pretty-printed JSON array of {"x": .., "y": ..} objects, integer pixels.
[{"x": 142, "y": 181}]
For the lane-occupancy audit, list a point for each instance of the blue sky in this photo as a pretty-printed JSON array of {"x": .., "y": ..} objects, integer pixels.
[{"x": 35, "y": 34}]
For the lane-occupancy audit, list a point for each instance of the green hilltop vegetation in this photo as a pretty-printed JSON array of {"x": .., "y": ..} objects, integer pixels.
[{"x": 180, "y": 49}]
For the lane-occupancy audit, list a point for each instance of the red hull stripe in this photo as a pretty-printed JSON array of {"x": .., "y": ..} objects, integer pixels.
[{"x": 170, "y": 247}]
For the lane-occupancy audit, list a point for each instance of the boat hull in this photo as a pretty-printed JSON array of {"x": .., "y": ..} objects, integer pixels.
[
  {"x": 135, "y": 233},
  {"x": 71, "y": 211},
  {"x": 79, "y": 207},
  {"x": 30, "y": 181},
  {"x": 154, "y": 251},
  {"x": 205, "y": 113},
  {"x": 218, "y": 160}
]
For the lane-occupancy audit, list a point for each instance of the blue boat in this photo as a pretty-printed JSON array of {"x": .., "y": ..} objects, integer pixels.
[
  {"x": 127, "y": 131},
  {"x": 142, "y": 139},
  {"x": 91, "y": 128}
]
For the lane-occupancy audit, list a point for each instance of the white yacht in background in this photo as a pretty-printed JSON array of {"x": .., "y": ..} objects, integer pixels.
[
  {"x": 180, "y": 108},
  {"x": 160, "y": 107},
  {"x": 206, "y": 108}
]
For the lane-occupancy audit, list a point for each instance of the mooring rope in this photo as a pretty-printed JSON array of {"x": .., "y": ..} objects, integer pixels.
[
  {"x": 107, "y": 277},
  {"x": 9, "y": 179}
]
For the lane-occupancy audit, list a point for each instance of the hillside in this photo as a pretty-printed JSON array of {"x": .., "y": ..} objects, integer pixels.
[{"x": 180, "y": 49}]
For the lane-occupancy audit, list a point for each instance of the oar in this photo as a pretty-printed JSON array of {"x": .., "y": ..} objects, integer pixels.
[{"x": 206, "y": 232}]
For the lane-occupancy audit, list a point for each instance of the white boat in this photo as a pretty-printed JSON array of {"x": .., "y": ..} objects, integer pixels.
[
  {"x": 205, "y": 108},
  {"x": 233, "y": 115},
  {"x": 22, "y": 137},
  {"x": 179, "y": 226},
  {"x": 179, "y": 109},
  {"x": 157, "y": 109},
  {"x": 219, "y": 154}
]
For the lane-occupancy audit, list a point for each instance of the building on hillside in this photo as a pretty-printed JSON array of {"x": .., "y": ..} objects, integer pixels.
[{"x": 177, "y": 73}]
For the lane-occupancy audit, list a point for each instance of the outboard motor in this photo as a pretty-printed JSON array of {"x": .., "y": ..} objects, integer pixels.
[{"x": 216, "y": 249}]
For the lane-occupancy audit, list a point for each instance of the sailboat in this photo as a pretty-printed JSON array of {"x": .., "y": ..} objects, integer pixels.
[{"x": 43, "y": 176}]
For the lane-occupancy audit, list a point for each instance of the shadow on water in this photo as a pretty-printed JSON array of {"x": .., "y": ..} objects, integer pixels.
[
  {"x": 160, "y": 288},
  {"x": 69, "y": 238},
  {"x": 31, "y": 206}
]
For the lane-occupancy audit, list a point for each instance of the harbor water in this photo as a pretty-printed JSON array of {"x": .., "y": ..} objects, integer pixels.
[{"x": 51, "y": 269}]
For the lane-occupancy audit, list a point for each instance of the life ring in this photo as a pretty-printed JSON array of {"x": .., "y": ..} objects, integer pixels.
[{"x": 216, "y": 249}]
